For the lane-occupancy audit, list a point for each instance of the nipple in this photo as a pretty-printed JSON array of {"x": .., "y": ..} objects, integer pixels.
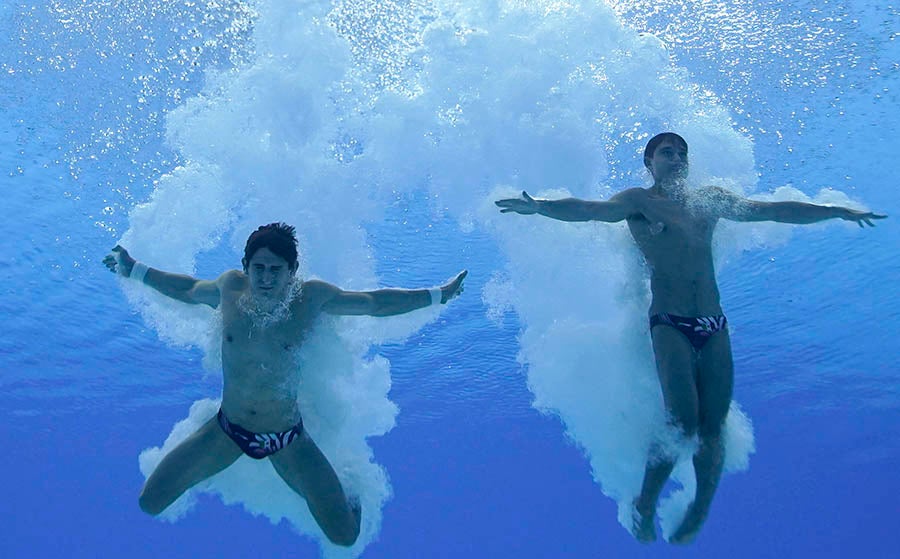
[{"x": 657, "y": 228}]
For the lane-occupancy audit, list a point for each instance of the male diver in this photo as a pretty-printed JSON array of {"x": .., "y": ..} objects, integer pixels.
[
  {"x": 266, "y": 312},
  {"x": 673, "y": 227}
]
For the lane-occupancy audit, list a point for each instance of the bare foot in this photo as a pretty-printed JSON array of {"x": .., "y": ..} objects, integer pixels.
[
  {"x": 690, "y": 526},
  {"x": 643, "y": 528}
]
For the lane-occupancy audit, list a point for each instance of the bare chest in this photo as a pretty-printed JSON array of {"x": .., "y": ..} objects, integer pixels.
[
  {"x": 262, "y": 342},
  {"x": 672, "y": 235}
]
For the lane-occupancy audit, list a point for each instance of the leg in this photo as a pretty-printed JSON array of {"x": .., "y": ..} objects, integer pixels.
[
  {"x": 200, "y": 456},
  {"x": 675, "y": 367},
  {"x": 306, "y": 470},
  {"x": 715, "y": 382}
]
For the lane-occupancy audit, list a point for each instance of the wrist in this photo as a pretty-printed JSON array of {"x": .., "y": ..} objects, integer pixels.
[
  {"x": 437, "y": 295},
  {"x": 138, "y": 271}
]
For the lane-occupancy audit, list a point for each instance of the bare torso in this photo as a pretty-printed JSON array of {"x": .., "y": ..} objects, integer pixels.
[
  {"x": 259, "y": 359},
  {"x": 675, "y": 238}
]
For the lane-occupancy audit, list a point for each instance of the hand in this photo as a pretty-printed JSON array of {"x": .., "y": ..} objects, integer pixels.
[
  {"x": 525, "y": 205},
  {"x": 119, "y": 261},
  {"x": 859, "y": 217},
  {"x": 453, "y": 288}
]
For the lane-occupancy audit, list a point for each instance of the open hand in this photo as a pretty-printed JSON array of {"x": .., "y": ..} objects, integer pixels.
[
  {"x": 119, "y": 261},
  {"x": 526, "y": 205},
  {"x": 860, "y": 217},
  {"x": 453, "y": 288}
]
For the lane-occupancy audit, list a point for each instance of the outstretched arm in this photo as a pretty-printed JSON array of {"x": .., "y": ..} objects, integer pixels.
[
  {"x": 737, "y": 208},
  {"x": 618, "y": 207},
  {"x": 177, "y": 286},
  {"x": 387, "y": 302}
]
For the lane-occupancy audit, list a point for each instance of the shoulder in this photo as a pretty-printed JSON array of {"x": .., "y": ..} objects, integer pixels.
[
  {"x": 318, "y": 290},
  {"x": 726, "y": 201},
  {"x": 718, "y": 193},
  {"x": 231, "y": 283},
  {"x": 317, "y": 286},
  {"x": 630, "y": 195},
  {"x": 232, "y": 279},
  {"x": 633, "y": 200}
]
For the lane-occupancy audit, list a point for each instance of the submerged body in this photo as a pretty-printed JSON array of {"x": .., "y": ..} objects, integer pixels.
[
  {"x": 691, "y": 343},
  {"x": 673, "y": 228},
  {"x": 266, "y": 316}
]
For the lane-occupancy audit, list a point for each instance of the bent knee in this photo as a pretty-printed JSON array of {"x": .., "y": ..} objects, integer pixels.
[
  {"x": 346, "y": 534},
  {"x": 151, "y": 505},
  {"x": 711, "y": 428},
  {"x": 345, "y": 537},
  {"x": 687, "y": 423}
]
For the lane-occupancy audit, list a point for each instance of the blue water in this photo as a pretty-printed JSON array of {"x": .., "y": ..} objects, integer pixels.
[{"x": 383, "y": 132}]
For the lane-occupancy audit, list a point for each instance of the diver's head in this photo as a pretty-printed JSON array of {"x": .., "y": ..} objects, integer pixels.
[
  {"x": 270, "y": 260},
  {"x": 666, "y": 157}
]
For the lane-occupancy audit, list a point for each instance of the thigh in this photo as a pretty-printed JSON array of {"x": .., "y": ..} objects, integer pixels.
[
  {"x": 675, "y": 367},
  {"x": 205, "y": 453},
  {"x": 715, "y": 382},
  {"x": 306, "y": 470}
]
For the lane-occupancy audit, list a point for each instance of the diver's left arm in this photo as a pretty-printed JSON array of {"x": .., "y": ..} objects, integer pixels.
[
  {"x": 387, "y": 302},
  {"x": 737, "y": 208}
]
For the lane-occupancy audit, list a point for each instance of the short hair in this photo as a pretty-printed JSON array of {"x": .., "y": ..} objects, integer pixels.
[
  {"x": 658, "y": 139},
  {"x": 277, "y": 237}
]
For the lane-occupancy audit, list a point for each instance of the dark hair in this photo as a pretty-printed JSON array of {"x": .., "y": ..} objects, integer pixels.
[
  {"x": 277, "y": 237},
  {"x": 658, "y": 139}
]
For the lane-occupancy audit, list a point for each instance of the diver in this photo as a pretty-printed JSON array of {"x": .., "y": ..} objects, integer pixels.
[
  {"x": 673, "y": 227},
  {"x": 267, "y": 312}
]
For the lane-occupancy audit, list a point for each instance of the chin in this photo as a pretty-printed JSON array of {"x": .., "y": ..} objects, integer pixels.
[{"x": 263, "y": 295}]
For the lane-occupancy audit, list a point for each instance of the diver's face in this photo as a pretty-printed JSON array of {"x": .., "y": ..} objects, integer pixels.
[
  {"x": 669, "y": 162},
  {"x": 270, "y": 275}
]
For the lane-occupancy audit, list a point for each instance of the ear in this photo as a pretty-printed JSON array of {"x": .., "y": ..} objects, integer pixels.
[
  {"x": 244, "y": 263},
  {"x": 294, "y": 267}
]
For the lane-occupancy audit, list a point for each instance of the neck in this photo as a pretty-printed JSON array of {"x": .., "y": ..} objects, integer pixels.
[{"x": 670, "y": 188}]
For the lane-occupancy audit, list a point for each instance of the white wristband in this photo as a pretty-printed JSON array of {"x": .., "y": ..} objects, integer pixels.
[
  {"x": 138, "y": 271},
  {"x": 436, "y": 295}
]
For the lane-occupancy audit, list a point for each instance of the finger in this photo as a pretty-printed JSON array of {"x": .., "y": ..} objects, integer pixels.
[
  {"x": 860, "y": 223},
  {"x": 869, "y": 223},
  {"x": 526, "y": 196}
]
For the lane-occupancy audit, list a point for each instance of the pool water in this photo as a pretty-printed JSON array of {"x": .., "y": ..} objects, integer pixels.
[{"x": 511, "y": 423}]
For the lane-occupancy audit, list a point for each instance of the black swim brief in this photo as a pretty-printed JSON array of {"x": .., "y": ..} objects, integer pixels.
[
  {"x": 258, "y": 445},
  {"x": 696, "y": 329}
]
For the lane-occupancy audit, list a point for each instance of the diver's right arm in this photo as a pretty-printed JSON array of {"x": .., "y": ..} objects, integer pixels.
[
  {"x": 177, "y": 286},
  {"x": 619, "y": 207}
]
